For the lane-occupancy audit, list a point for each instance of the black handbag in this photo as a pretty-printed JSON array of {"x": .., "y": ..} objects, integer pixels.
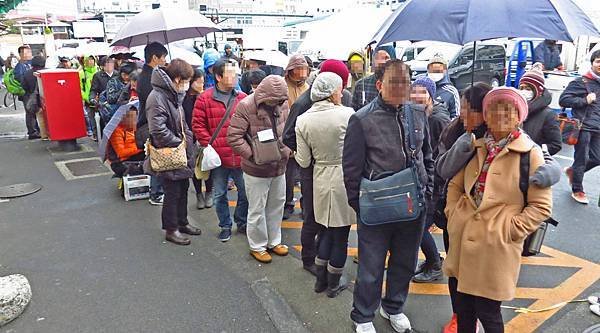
[
  {"x": 394, "y": 197},
  {"x": 533, "y": 243}
]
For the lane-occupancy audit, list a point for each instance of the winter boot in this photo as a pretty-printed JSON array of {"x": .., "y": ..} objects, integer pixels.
[
  {"x": 208, "y": 198},
  {"x": 200, "y": 202},
  {"x": 431, "y": 272},
  {"x": 336, "y": 283},
  {"x": 321, "y": 284}
]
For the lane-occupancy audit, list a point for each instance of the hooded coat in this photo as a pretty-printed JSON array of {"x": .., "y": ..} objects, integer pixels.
[
  {"x": 86, "y": 75},
  {"x": 355, "y": 77},
  {"x": 541, "y": 124},
  {"x": 166, "y": 123},
  {"x": 295, "y": 89},
  {"x": 252, "y": 116},
  {"x": 210, "y": 57},
  {"x": 487, "y": 241}
]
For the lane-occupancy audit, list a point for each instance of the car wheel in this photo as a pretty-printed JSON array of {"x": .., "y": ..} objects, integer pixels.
[{"x": 495, "y": 83}]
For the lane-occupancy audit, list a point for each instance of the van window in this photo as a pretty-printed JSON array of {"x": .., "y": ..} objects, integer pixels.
[{"x": 489, "y": 52}]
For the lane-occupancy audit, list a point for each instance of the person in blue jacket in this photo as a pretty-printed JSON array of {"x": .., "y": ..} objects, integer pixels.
[
  {"x": 548, "y": 54},
  {"x": 445, "y": 92}
]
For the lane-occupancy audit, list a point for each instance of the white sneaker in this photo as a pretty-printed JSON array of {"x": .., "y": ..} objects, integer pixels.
[
  {"x": 399, "y": 322},
  {"x": 365, "y": 328},
  {"x": 594, "y": 308},
  {"x": 594, "y": 300}
]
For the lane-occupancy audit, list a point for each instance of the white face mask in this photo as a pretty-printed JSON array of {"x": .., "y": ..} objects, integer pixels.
[
  {"x": 527, "y": 94},
  {"x": 436, "y": 77},
  {"x": 185, "y": 88}
]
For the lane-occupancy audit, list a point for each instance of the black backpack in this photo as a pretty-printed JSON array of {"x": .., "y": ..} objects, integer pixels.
[{"x": 533, "y": 242}]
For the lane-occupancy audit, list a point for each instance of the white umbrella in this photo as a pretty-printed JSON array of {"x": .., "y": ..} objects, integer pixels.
[
  {"x": 94, "y": 48},
  {"x": 334, "y": 37},
  {"x": 275, "y": 58},
  {"x": 175, "y": 52},
  {"x": 163, "y": 25}
]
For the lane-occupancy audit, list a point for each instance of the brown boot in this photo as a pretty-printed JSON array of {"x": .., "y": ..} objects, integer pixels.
[
  {"x": 280, "y": 250},
  {"x": 177, "y": 238}
]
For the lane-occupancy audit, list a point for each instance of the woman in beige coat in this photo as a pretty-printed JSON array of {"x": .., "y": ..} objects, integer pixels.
[
  {"x": 320, "y": 135},
  {"x": 488, "y": 218}
]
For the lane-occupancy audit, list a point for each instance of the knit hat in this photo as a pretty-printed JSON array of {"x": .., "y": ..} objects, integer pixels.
[
  {"x": 387, "y": 48},
  {"x": 438, "y": 59},
  {"x": 427, "y": 83},
  {"x": 535, "y": 78},
  {"x": 507, "y": 95},
  {"x": 324, "y": 86},
  {"x": 337, "y": 67},
  {"x": 296, "y": 61}
]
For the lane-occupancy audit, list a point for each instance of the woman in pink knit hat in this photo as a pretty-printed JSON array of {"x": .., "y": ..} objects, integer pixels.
[{"x": 488, "y": 215}]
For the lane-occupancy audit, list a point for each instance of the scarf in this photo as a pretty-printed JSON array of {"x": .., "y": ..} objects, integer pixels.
[
  {"x": 595, "y": 76},
  {"x": 493, "y": 149}
]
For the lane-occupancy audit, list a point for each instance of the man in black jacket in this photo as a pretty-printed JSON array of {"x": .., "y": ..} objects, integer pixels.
[
  {"x": 310, "y": 228},
  {"x": 30, "y": 85},
  {"x": 155, "y": 54},
  {"x": 101, "y": 78},
  {"x": 580, "y": 95},
  {"x": 376, "y": 144}
]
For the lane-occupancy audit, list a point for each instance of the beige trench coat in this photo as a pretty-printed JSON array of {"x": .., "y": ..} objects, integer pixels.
[
  {"x": 486, "y": 241},
  {"x": 320, "y": 133}
]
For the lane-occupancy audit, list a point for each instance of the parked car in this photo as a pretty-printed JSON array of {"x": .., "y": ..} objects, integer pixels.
[{"x": 489, "y": 67}]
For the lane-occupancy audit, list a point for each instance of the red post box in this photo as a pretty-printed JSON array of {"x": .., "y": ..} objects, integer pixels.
[{"x": 62, "y": 105}]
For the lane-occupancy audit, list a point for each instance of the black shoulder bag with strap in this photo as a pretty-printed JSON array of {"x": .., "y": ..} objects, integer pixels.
[
  {"x": 398, "y": 197},
  {"x": 533, "y": 243}
]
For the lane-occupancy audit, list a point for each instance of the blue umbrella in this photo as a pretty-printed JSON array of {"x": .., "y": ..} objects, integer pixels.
[
  {"x": 464, "y": 21},
  {"x": 115, "y": 120}
]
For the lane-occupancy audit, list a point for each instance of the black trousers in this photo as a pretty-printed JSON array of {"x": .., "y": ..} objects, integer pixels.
[
  {"x": 31, "y": 122},
  {"x": 174, "y": 209},
  {"x": 310, "y": 228},
  {"x": 198, "y": 185},
  {"x": 333, "y": 245},
  {"x": 120, "y": 168},
  {"x": 469, "y": 308},
  {"x": 402, "y": 240},
  {"x": 290, "y": 180}
]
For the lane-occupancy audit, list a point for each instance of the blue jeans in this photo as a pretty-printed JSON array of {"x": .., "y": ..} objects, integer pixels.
[
  {"x": 220, "y": 176},
  {"x": 156, "y": 187}
]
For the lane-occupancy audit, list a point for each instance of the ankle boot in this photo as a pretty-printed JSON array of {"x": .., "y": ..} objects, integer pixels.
[
  {"x": 321, "y": 268},
  {"x": 336, "y": 283},
  {"x": 200, "y": 202},
  {"x": 208, "y": 198}
]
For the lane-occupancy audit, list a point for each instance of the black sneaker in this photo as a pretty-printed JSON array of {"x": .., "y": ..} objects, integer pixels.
[
  {"x": 430, "y": 273},
  {"x": 288, "y": 211},
  {"x": 156, "y": 201},
  {"x": 241, "y": 229},
  {"x": 34, "y": 137},
  {"x": 225, "y": 235}
]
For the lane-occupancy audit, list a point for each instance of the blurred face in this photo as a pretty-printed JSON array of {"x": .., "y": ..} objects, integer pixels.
[
  {"x": 130, "y": 119},
  {"x": 274, "y": 103},
  {"x": 228, "y": 80},
  {"x": 26, "y": 55},
  {"x": 596, "y": 66},
  {"x": 436, "y": 72},
  {"x": 125, "y": 77},
  {"x": 251, "y": 64},
  {"x": 336, "y": 97},
  {"x": 198, "y": 85},
  {"x": 394, "y": 86},
  {"x": 228, "y": 50},
  {"x": 159, "y": 61},
  {"x": 134, "y": 85},
  {"x": 109, "y": 66},
  {"x": 470, "y": 117},
  {"x": 181, "y": 86},
  {"x": 502, "y": 118},
  {"x": 90, "y": 62},
  {"x": 356, "y": 66},
  {"x": 299, "y": 74},
  {"x": 527, "y": 92},
  {"x": 380, "y": 58},
  {"x": 420, "y": 95}
]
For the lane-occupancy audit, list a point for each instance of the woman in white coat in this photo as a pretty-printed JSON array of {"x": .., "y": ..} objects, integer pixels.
[{"x": 320, "y": 134}]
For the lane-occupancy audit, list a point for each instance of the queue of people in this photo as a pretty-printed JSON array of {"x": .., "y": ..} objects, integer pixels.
[{"x": 453, "y": 160}]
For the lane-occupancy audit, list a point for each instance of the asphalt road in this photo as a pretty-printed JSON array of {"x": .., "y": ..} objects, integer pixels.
[{"x": 99, "y": 264}]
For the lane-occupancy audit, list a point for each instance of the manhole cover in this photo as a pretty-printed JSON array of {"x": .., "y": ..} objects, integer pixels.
[
  {"x": 87, "y": 167},
  {"x": 593, "y": 329},
  {"x": 19, "y": 190}
]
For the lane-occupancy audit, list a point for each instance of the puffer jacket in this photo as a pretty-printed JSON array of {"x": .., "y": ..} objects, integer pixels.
[
  {"x": 252, "y": 116},
  {"x": 376, "y": 143},
  {"x": 574, "y": 97},
  {"x": 165, "y": 118},
  {"x": 208, "y": 112},
  {"x": 541, "y": 124}
]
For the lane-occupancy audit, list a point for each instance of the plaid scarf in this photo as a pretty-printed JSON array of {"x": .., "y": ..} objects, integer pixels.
[{"x": 494, "y": 148}]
